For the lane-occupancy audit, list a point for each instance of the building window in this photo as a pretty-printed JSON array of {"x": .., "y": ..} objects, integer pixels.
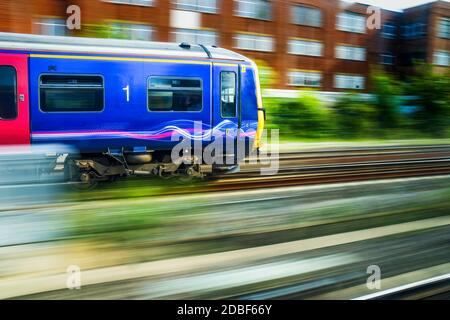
[
  {"x": 71, "y": 93},
  {"x": 351, "y": 53},
  {"x": 204, "y": 37},
  {"x": 442, "y": 58},
  {"x": 131, "y": 31},
  {"x": 254, "y": 42},
  {"x": 306, "y": 16},
  {"x": 175, "y": 94},
  {"x": 8, "y": 93},
  {"x": 255, "y": 9},
  {"x": 414, "y": 30},
  {"x": 207, "y": 6},
  {"x": 148, "y": 3},
  {"x": 228, "y": 94},
  {"x": 387, "y": 59},
  {"x": 351, "y": 22},
  {"x": 305, "y": 47},
  {"x": 389, "y": 31},
  {"x": 52, "y": 27},
  {"x": 342, "y": 81},
  {"x": 406, "y": 31},
  {"x": 444, "y": 28},
  {"x": 305, "y": 78}
]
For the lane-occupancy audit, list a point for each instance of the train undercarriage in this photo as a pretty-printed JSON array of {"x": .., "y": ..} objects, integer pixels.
[
  {"x": 45, "y": 164},
  {"x": 90, "y": 169}
]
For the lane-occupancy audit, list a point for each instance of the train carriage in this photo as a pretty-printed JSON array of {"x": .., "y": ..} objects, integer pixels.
[{"x": 120, "y": 103}]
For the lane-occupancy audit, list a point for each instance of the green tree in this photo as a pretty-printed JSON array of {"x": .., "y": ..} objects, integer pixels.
[
  {"x": 433, "y": 92},
  {"x": 304, "y": 117},
  {"x": 354, "y": 117},
  {"x": 97, "y": 31},
  {"x": 387, "y": 93},
  {"x": 268, "y": 77}
]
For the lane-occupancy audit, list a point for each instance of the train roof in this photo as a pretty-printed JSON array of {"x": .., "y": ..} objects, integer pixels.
[{"x": 29, "y": 42}]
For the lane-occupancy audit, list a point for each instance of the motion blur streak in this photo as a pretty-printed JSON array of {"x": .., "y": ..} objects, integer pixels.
[
  {"x": 359, "y": 99},
  {"x": 160, "y": 240}
]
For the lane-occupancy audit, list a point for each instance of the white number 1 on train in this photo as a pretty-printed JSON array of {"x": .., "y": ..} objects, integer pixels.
[{"x": 127, "y": 89}]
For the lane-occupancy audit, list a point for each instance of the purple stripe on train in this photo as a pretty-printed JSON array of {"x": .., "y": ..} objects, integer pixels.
[{"x": 197, "y": 133}]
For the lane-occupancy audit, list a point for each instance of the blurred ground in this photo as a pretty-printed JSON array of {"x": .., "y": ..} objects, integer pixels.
[{"x": 296, "y": 242}]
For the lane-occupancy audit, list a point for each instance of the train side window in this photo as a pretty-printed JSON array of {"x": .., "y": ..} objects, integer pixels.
[
  {"x": 8, "y": 93},
  {"x": 175, "y": 94},
  {"x": 228, "y": 94},
  {"x": 71, "y": 93}
]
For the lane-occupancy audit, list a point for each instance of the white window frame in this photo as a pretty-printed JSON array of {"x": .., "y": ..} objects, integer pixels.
[
  {"x": 205, "y": 6},
  {"x": 307, "y": 78},
  {"x": 346, "y": 52},
  {"x": 305, "y": 47},
  {"x": 346, "y": 81},
  {"x": 441, "y": 58},
  {"x": 444, "y": 27},
  {"x": 306, "y": 18},
  {"x": 142, "y": 3},
  {"x": 252, "y": 7},
  {"x": 52, "y": 24},
  {"x": 195, "y": 36},
  {"x": 254, "y": 42},
  {"x": 351, "y": 22},
  {"x": 132, "y": 30}
]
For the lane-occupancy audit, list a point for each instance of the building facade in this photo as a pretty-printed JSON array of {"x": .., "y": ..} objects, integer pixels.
[
  {"x": 425, "y": 35},
  {"x": 321, "y": 44}
]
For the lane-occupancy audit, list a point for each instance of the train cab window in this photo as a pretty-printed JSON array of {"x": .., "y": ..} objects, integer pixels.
[
  {"x": 71, "y": 93},
  {"x": 8, "y": 93},
  {"x": 175, "y": 94},
  {"x": 228, "y": 94}
]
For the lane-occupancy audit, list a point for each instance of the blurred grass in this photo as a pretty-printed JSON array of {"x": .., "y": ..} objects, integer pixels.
[
  {"x": 132, "y": 187},
  {"x": 170, "y": 227}
]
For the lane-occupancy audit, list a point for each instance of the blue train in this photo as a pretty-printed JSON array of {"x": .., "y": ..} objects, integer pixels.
[{"x": 120, "y": 103}]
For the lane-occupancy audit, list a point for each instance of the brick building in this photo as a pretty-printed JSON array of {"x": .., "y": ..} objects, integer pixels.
[
  {"x": 322, "y": 44},
  {"x": 425, "y": 35}
]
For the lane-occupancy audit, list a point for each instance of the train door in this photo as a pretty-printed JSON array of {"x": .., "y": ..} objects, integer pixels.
[
  {"x": 14, "y": 112},
  {"x": 226, "y": 111}
]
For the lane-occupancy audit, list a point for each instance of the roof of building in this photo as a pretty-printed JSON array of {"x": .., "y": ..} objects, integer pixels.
[{"x": 29, "y": 42}]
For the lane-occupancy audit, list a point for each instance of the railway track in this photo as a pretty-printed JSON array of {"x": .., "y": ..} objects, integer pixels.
[
  {"x": 338, "y": 165},
  {"x": 349, "y": 261},
  {"x": 333, "y": 166},
  {"x": 432, "y": 288},
  {"x": 309, "y": 167},
  {"x": 334, "y": 174}
]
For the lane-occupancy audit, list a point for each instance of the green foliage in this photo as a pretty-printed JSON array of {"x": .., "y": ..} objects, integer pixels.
[
  {"x": 97, "y": 31},
  {"x": 433, "y": 92},
  {"x": 387, "y": 92},
  {"x": 359, "y": 117},
  {"x": 304, "y": 117},
  {"x": 104, "y": 31},
  {"x": 267, "y": 76},
  {"x": 354, "y": 117}
]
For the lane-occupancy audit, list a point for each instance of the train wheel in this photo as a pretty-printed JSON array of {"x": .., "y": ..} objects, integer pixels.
[
  {"x": 190, "y": 175},
  {"x": 86, "y": 181},
  {"x": 186, "y": 179},
  {"x": 81, "y": 180}
]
